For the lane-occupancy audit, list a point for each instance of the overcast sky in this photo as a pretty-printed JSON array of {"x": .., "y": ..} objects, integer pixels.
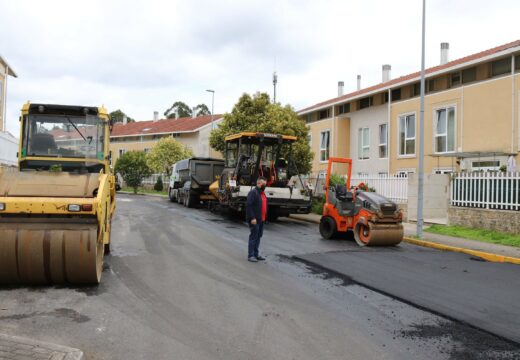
[{"x": 141, "y": 56}]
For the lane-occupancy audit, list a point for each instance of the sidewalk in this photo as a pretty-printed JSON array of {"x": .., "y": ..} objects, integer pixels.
[
  {"x": 409, "y": 230},
  {"x": 17, "y": 348}
]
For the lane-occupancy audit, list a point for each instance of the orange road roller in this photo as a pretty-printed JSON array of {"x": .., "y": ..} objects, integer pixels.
[{"x": 374, "y": 219}]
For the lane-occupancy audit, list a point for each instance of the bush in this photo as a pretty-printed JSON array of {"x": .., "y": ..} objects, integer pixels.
[
  {"x": 158, "y": 184},
  {"x": 317, "y": 205},
  {"x": 133, "y": 168}
]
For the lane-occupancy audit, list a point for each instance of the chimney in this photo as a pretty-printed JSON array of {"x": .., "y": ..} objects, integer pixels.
[
  {"x": 194, "y": 112},
  {"x": 445, "y": 48},
  {"x": 125, "y": 120},
  {"x": 155, "y": 115},
  {"x": 386, "y": 72},
  {"x": 341, "y": 86},
  {"x": 359, "y": 82}
]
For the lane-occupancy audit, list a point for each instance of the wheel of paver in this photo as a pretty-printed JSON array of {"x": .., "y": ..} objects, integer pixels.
[{"x": 327, "y": 227}]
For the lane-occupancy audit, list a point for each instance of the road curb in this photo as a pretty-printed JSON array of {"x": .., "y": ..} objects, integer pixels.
[
  {"x": 482, "y": 254},
  {"x": 14, "y": 347},
  {"x": 434, "y": 245}
]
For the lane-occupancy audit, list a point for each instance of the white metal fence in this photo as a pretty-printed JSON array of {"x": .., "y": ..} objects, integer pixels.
[
  {"x": 488, "y": 190},
  {"x": 151, "y": 180},
  {"x": 394, "y": 187}
]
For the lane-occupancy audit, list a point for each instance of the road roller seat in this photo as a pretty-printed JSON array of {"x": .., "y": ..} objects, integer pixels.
[
  {"x": 343, "y": 200},
  {"x": 42, "y": 143}
]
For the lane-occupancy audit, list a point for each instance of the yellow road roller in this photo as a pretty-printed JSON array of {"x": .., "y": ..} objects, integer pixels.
[{"x": 56, "y": 208}]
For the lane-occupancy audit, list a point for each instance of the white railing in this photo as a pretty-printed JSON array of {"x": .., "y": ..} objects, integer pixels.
[
  {"x": 394, "y": 187},
  {"x": 151, "y": 180},
  {"x": 488, "y": 190}
]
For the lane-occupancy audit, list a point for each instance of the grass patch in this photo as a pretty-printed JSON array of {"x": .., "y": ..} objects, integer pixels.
[
  {"x": 489, "y": 236},
  {"x": 317, "y": 205},
  {"x": 144, "y": 191}
]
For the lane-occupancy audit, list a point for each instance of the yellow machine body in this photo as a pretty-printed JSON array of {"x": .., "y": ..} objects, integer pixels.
[{"x": 56, "y": 208}]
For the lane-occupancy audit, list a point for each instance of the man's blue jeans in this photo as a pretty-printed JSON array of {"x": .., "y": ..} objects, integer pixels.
[{"x": 254, "y": 238}]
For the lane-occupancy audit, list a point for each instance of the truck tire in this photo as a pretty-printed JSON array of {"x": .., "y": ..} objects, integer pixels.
[
  {"x": 272, "y": 214},
  {"x": 328, "y": 227},
  {"x": 170, "y": 195},
  {"x": 179, "y": 199},
  {"x": 191, "y": 201}
]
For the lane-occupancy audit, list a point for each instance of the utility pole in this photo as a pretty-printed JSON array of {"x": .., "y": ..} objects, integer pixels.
[
  {"x": 275, "y": 81},
  {"x": 420, "y": 185}
]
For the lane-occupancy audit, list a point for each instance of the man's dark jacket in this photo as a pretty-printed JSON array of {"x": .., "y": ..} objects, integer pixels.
[{"x": 254, "y": 205}]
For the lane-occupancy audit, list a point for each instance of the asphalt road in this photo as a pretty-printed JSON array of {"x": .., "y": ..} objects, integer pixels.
[{"x": 177, "y": 286}]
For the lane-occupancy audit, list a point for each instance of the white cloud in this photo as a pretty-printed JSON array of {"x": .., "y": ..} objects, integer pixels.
[{"x": 141, "y": 56}]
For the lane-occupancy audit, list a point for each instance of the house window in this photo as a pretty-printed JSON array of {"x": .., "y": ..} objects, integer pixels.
[
  {"x": 383, "y": 141},
  {"x": 396, "y": 94},
  {"x": 443, "y": 171},
  {"x": 469, "y": 75},
  {"x": 493, "y": 165},
  {"x": 431, "y": 85},
  {"x": 403, "y": 173},
  {"x": 500, "y": 67},
  {"x": 146, "y": 150},
  {"x": 325, "y": 145},
  {"x": 122, "y": 151},
  {"x": 455, "y": 78},
  {"x": 344, "y": 108},
  {"x": 309, "y": 117},
  {"x": 365, "y": 102},
  {"x": 407, "y": 135},
  {"x": 363, "y": 143},
  {"x": 445, "y": 130},
  {"x": 324, "y": 114},
  {"x": 517, "y": 62},
  {"x": 309, "y": 140},
  {"x": 416, "y": 91}
]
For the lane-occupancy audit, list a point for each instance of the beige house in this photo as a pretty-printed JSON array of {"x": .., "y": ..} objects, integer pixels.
[
  {"x": 143, "y": 135},
  {"x": 472, "y": 118},
  {"x": 8, "y": 143}
]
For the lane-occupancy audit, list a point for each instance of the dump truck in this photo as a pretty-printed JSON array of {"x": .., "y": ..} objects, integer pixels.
[
  {"x": 56, "y": 208},
  {"x": 191, "y": 178},
  {"x": 249, "y": 155},
  {"x": 374, "y": 219}
]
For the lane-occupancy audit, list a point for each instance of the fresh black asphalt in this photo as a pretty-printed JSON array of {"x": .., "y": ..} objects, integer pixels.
[{"x": 482, "y": 294}]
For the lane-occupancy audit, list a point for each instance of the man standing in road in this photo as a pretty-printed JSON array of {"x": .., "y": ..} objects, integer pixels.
[{"x": 256, "y": 212}]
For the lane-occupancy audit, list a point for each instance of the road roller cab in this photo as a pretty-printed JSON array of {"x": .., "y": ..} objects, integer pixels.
[
  {"x": 374, "y": 219},
  {"x": 56, "y": 208}
]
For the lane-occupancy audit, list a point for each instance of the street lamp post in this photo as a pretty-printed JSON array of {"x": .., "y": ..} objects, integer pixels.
[
  {"x": 420, "y": 185},
  {"x": 212, "y": 115}
]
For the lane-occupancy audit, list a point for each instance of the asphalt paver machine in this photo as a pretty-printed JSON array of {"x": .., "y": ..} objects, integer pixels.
[{"x": 249, "y": 155}]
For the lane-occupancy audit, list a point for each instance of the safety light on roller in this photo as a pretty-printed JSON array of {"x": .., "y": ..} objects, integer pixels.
[
  {"x": 2, "y": 206},
  {"x": 74, "y": 208}
]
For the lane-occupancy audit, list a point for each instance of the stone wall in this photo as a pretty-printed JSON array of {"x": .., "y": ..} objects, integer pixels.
[{"x": 499, "y": 220}]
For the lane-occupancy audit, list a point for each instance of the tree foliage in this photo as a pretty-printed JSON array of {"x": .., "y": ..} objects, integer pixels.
[
  {"x": 180, "y": 108},
  {"x": 165, "y": 153},
  {"x": 133, "y": 168},
  {"x": 184, "y": 110},
  {"x": 118, "y": 116},
  {"x": 257, "y": 114},
  {"x": 202, "y": 110}
]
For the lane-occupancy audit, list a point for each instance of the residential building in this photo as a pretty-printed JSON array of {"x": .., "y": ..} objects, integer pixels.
[
  {"x": 471, "y": 118},
  {"x": 143, "y": 135},
  {"x": 8, "y": 143}
]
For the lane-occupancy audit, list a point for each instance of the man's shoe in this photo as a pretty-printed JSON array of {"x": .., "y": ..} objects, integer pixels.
[
  {"x": 252, "y": 259},
  {"x": 260, "y": 258}
]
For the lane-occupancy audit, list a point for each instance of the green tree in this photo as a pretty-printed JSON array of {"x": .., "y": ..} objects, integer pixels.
[
  {"x": 118, "y": 116},
  {"x": 179, "y": 107},
  {"x": 165, "y": 153},
  {"x": 133, "y": 168},
  {"x": 202, "y": 110},
  {"x": 158, "y": 184},
  {"x": 256, "y": 113}
]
